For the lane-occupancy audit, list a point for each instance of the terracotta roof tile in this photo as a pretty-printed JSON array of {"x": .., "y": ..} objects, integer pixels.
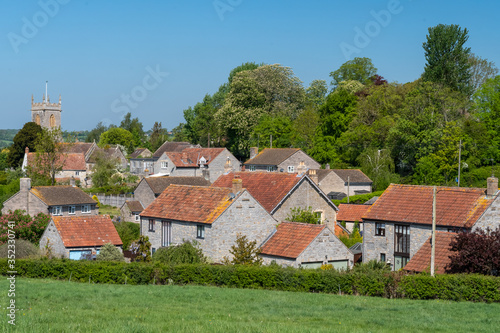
[
  {"x": 455, "y": 206},
  {"x": 71, "y": 161},
  {"x": 351, "y": 212},
  {"x": 190, "y": 157},
  {"x": 272, "y": 156},
  {"x": 168, "y": 146},
  {"x": 340, "y": 230},
  {"x": 93, "y": 230},
  {"x": 268, "y": 188},
  {"x": 421, "y": 261},
  {"x": 189, "y": 203},
  {"x": 159, "y": 184},
  {"x": 291, "y": 239},
  {"x": 77, "y": 147},
  {"x": 134, "y": 206},
  {"x": 62, "y": 195}
]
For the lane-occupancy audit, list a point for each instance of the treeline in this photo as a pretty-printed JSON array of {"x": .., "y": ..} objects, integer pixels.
[{"x": 416, "y": 132}]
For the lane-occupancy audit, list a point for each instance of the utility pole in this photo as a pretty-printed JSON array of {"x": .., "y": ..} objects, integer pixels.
[
  {"x": 459, "y": 160},
  {"x": 271, "y": 140},
  {"x": 433, "y": 236},
  {"x": 208, "y": 140},
  {"x": 348, "y": 184}
]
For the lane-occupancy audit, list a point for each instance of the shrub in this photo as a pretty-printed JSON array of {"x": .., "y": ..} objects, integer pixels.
[
  {"x": 128, "y": 232},
  {"x": 141, "y": 248},
  {"x": 298, "y": 214},
  {"x": 25, "y": 226},
  {"x": 244, "y": 252},
  {"x": 23, "y": 249},
  {"x": 96, "y": 199},
  {"x": 351, "y": 239},
  {"x": 185, "y": 253},
  {"x": 109, "y": 252}
]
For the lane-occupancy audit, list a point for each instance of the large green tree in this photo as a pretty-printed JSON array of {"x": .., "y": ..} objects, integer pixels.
[
  {"x": 481, "y": 70},
  {"x": 117, "y": 136},
  {"x": 95, "y": 133},
  {"x": 358, "y": 69},
  {"x": 134, "y": 126},
  {"x": 26, "y": 137},
  {"x": 447, "y": 58}
]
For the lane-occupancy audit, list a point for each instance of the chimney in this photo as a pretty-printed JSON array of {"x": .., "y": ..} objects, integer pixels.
[
  {"x": 237, "y": 185},
  {"x": 313, "y": 175},
  {"x": 26, "y": 150},
  {"x": 205, "y": 173},
  {"x": 301, "y": 168},
  {"x": 492, "y": 187},
  {"x": 327, "y": 166},
  {"x": 72, "y": 182},
  {"x": 253, "y": 152},
  {"x": 227, "y": 167},
  {"x": 25, "y": 184}
]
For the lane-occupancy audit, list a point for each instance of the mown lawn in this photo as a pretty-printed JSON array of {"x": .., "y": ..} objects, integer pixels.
[{"x": 58, "y": 306}]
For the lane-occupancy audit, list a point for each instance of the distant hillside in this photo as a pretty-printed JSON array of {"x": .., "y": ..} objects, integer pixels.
[{"x": 6, "y": 137}]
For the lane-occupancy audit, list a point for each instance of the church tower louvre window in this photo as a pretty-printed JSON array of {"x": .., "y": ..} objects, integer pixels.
[{"x": 46, "y": 114}]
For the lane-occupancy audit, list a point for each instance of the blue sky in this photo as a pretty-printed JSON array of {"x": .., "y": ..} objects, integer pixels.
[{"x": 166, "y": 55}]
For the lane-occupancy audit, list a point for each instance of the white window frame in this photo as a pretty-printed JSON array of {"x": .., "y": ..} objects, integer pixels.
[
  {"x": 270, "y": 168},
  {"x": 57, "y": 210},
  {"x": 200, "y": 231},
  {"x": 71, "y": 210},
  {"x": 137, "y": 217},
  {"x": 164, "y": 164},
  {"x": 291, "y": 169},
  {"x": 86, "y": 209},
  {"x": 251, "y": 168}
]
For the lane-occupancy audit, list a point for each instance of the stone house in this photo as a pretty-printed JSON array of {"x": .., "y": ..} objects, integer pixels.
[
  {"x": 307, "y": 246},
  {"x": 53, "y": 200},
  {"x": 338, "y": 183},
  {"x": 130, "y": 211},
  {"x": 400, "y": 221},
  {"x": 141, "y": 153},
  {"x": 352, "y": 214},
  {"x": 212, "y": 216},
  {"x": 79, "y": 237},
  {"x": 278, "y": 193},
  {"x": 290, "y": 160},
  {"x": 73, "y": 165},
  {"x": 150, "y": 188},
  {"x": 209, "y": 163}
]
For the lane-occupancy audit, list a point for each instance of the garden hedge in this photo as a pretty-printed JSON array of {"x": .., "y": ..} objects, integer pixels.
[{"x": 462, "y": 287}]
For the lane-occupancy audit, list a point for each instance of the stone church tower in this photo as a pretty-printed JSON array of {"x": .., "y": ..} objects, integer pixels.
[{"x": 46, "y": 114}]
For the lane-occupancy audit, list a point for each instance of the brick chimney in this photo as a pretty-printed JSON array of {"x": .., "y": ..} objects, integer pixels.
[
  {"x": 237, "y": 185},
  {"x": 24, "y": 192},
  {"x": 228, "y": 167},
  {"x": 492, "y": 187},
  {"x": 253, "y": 152},
  {"x": 313, "y": 175},
  {"x": 301, "y": 168},
  {"x": 327, "y": 166}
]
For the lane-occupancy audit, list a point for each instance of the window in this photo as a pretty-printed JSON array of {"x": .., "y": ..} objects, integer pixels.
[
  {"x": 77, "y": 173},
  {"x": 382, "y": 257},
  {"x": 166, "y": 233},
  {"x": 71, "y": 210},
  {"x": 291, "y": 169},
  {"x": 153, "y": 250},
  {"x": 57, "y": 210},
  {"x": 402, "y": 239},
  {"x": 379, "y": 229},
  {"x": 164, "y": 164},
  {"x": 151, "y": 225},
  {"x": 137, "y": 217},
  {"x": 200, "y": 231},
  {"x": 251, "y": 168},
  {"x": 270, "y": 168},
  {"x": 319, "y": 216},
  {"x": 85, "y": 209}
]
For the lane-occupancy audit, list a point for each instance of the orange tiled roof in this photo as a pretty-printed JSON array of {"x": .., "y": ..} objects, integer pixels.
[
  {"x": 92, "y": 230},
  {"x": 455, "y": 206},
  {"x": 268, "y": 188},
  {"x": 291, "y": 239},
  {"x": 340, "y": 230},
  {"x": 189, "y": 203},
  {"x": 71, "y": 161},
  {"x": 421, "y": 261},
  {"x": 190, "y": 157},
  {"x": 77, "y": 147},
  {"x": 351, "y": 212}
]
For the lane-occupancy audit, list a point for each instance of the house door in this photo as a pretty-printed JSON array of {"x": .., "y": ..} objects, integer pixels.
[{"x": 166, "y": 233}]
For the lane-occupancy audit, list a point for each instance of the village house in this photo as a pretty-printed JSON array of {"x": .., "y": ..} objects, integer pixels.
[
  {"x": 307, "y": 246},
  {"x": 212, "y": 216},
  {"x": 400, "y": 222},
  {"x": 338, "y": 183},
  {"x": 150, "y": 188},
  {"x": 53, "y": 200},
  {"x": 278, "y": 193},
  {"x": 130, "y": 211},
  {"x": 290, "y": 160},
  {"x": 78, "y": 237}
]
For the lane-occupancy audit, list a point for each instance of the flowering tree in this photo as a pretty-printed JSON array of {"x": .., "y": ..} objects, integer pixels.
[
  {"x": 25, "y": 226},
  {"x": 142, "y": 248}
]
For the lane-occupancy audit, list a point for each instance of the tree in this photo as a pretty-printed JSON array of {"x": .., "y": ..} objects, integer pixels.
[
  {"x": 26, "y": 137},
  {"x": 481, "y": 70},
  {"x": 316, "y": 92},
  {"x": 298, "y": 214},
  {"x": 447, "y": 58},
  {"x": 158, "y": 136},
  {"x": 95, "y": 134},
  {"x": 304, "y": 128},
  {"x": 134, "y": 126},
  {"x": 185, "y": 253},
  {"x": 109, "y": 252},
  {"x": 103, "y": 170},
  {"x": 359, "y": 69},
  {"x": 142, "y": 248},
  {"x": 26, "y": 227},
  {"x": 475, "y": 251},
  {"x": 244, "y": 252},
  {"x": 280, "y": 128},
  {"x": 379, "y": 166},
  {"x": 118, "y": 136},
  {"x": 49, "y": 157}
]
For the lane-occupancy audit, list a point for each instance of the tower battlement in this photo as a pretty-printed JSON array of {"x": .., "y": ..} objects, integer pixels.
[{"x": 46, "y": 114}]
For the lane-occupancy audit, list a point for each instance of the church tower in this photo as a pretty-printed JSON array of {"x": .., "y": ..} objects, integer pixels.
[{"x": 46, "y": 114}]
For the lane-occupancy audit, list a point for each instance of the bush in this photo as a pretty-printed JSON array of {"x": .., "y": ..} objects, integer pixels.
[
  {"x": 185, "y": 253},
  {"x": 109, "y": 252},
  {"x": 25, "y": 226},
  {"x": 244, "y": 252},
  {"x": 298, "y": 214},
  {"x": 23, "y": 249},
  {"x": 128, "y": 232},
  {"x": 358, "y": 199},
  {"x": 141, "y": 248}
]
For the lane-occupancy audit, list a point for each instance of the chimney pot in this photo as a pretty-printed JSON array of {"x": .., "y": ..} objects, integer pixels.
[
  {"x": 492, "y": 186},
  {"x": 237, "y": 185}
]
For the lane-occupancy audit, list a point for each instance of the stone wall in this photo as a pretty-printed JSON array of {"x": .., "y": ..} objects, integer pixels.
[
  {"x": 144, "y": 193},
  {"x": 51, "y": 241},
  {"x": 490, "y": 218},
  {"x": 296, "y": 159}
]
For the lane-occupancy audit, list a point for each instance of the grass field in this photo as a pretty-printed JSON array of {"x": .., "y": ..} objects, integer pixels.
[
  {"x": 58, "y": 306},
  {"x": 109, "y": 210}
]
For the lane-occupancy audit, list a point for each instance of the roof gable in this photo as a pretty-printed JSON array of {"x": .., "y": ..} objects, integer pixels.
[
  {"x": 455, "y": 206},
  {"x": 159, "y": 184},
  {"x": 272, "y": 156},
  {"x": 62, "y": 195},
  {"x": 190, "y": 204},
  {"x": 134, "y": 206},
  {"x": 141, "y": 152},
  {"x": 93, "y": 230},
  {"x": 190, "y": 157},
  {"x": 169, "y": 146},
  {"x": 421, "y": 261},
  {"x": 291, "y": 239}
]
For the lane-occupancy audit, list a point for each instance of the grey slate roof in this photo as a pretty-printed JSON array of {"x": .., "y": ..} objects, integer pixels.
[
  {"x": 62, "y": 195},
  {"x": 159, "y": 184},
  {"x": 139, "y": 151},
  {"x": 272, "y": 156},
  {"x": 172, "y": 147},
  {"x": 355, "y": 175},
  {"x": 134, "y": 206}
]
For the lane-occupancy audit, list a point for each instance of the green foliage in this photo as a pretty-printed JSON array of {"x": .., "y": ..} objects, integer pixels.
[
  {"x": 142, "y": 248},
  {"x": 378, "y": 165},
  {"x": 358, "y": 199},
  {"x": 109, "y": 252},
  {"x": 134, "y": 126},
  {"x": 351, "y": 239},
  {"x": 481, "y": 70},
  {"x": 128, "y": 232},
  {"x": 316, "y": 92},
  {"x": 244, "y": 252},
  {"x": 372, "y": 265},
  {"x": 49, "y": 158},
  {"x": 158, "y": 136},
  {"x": 26, "y": 137},
  {"x": 103, "y": 170},
  {"x": 25, "y": 227},
  {"x": 307, "y": 215},
  {"x": 23, "y": 249},
  {"x": 95, "y": 134},
  {"x": 117, "y": 136},
  {"x": 280, "y": 128},
  {"x": 359, "y": 69},
  {"x": 448, "y": 58},
  {"x": 185, "y": 253},
  {"x": 3, "y": 160},
  {"x": 9, "y": 189}
]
